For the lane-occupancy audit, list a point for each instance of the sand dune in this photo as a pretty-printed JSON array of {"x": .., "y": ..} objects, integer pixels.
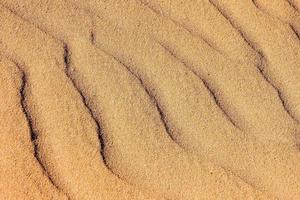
[{"x": 139, "y": 99}]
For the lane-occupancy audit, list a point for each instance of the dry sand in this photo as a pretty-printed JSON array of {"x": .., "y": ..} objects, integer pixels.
[{"x": 149, "y": 99}]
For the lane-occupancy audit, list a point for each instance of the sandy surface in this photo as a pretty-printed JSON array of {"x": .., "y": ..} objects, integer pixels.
[{"x": 149, "y": 99}]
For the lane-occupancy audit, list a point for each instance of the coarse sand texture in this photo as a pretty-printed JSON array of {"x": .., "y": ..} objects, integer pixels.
[{"x": 149, "y": 99}]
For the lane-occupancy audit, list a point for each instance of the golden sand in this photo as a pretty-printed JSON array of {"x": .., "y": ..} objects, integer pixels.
[{"x": 149, "y": 99}]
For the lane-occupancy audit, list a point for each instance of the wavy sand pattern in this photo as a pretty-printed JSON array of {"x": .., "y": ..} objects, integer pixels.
[{"x": 149, "y": 99}]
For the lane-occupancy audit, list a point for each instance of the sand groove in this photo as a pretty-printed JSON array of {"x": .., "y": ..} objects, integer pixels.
[
  {"x": 49, "y": 134},
  {"x": 187, "y": 132},
  {"x": 33, "y": 135},
  {"x": 150, "y": 140},
  {"x": 295, "y": 4},
  {"x": 26, "y": 163},
  {"x": 283, "y": 11},
  {"x": 181, "y": 41},
  {"x": 275, "y": 61},
  {"x": 143, "y": 99},
  {"x": 197, "y": 17},
  {"x": 206, "y": 84}
]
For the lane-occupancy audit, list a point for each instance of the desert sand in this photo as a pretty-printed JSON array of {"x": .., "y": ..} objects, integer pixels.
[{"x": 149, "y": 99}]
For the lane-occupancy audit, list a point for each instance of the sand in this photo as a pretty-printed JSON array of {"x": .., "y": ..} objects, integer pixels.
[{"x": 140, "y": 99}]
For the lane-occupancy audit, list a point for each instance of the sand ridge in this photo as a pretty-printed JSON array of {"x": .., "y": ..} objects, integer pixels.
[{"x": 150, "y": 102}]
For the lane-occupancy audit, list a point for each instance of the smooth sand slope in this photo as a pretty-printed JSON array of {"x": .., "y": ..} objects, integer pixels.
[{"x": 140, "y": 99}]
